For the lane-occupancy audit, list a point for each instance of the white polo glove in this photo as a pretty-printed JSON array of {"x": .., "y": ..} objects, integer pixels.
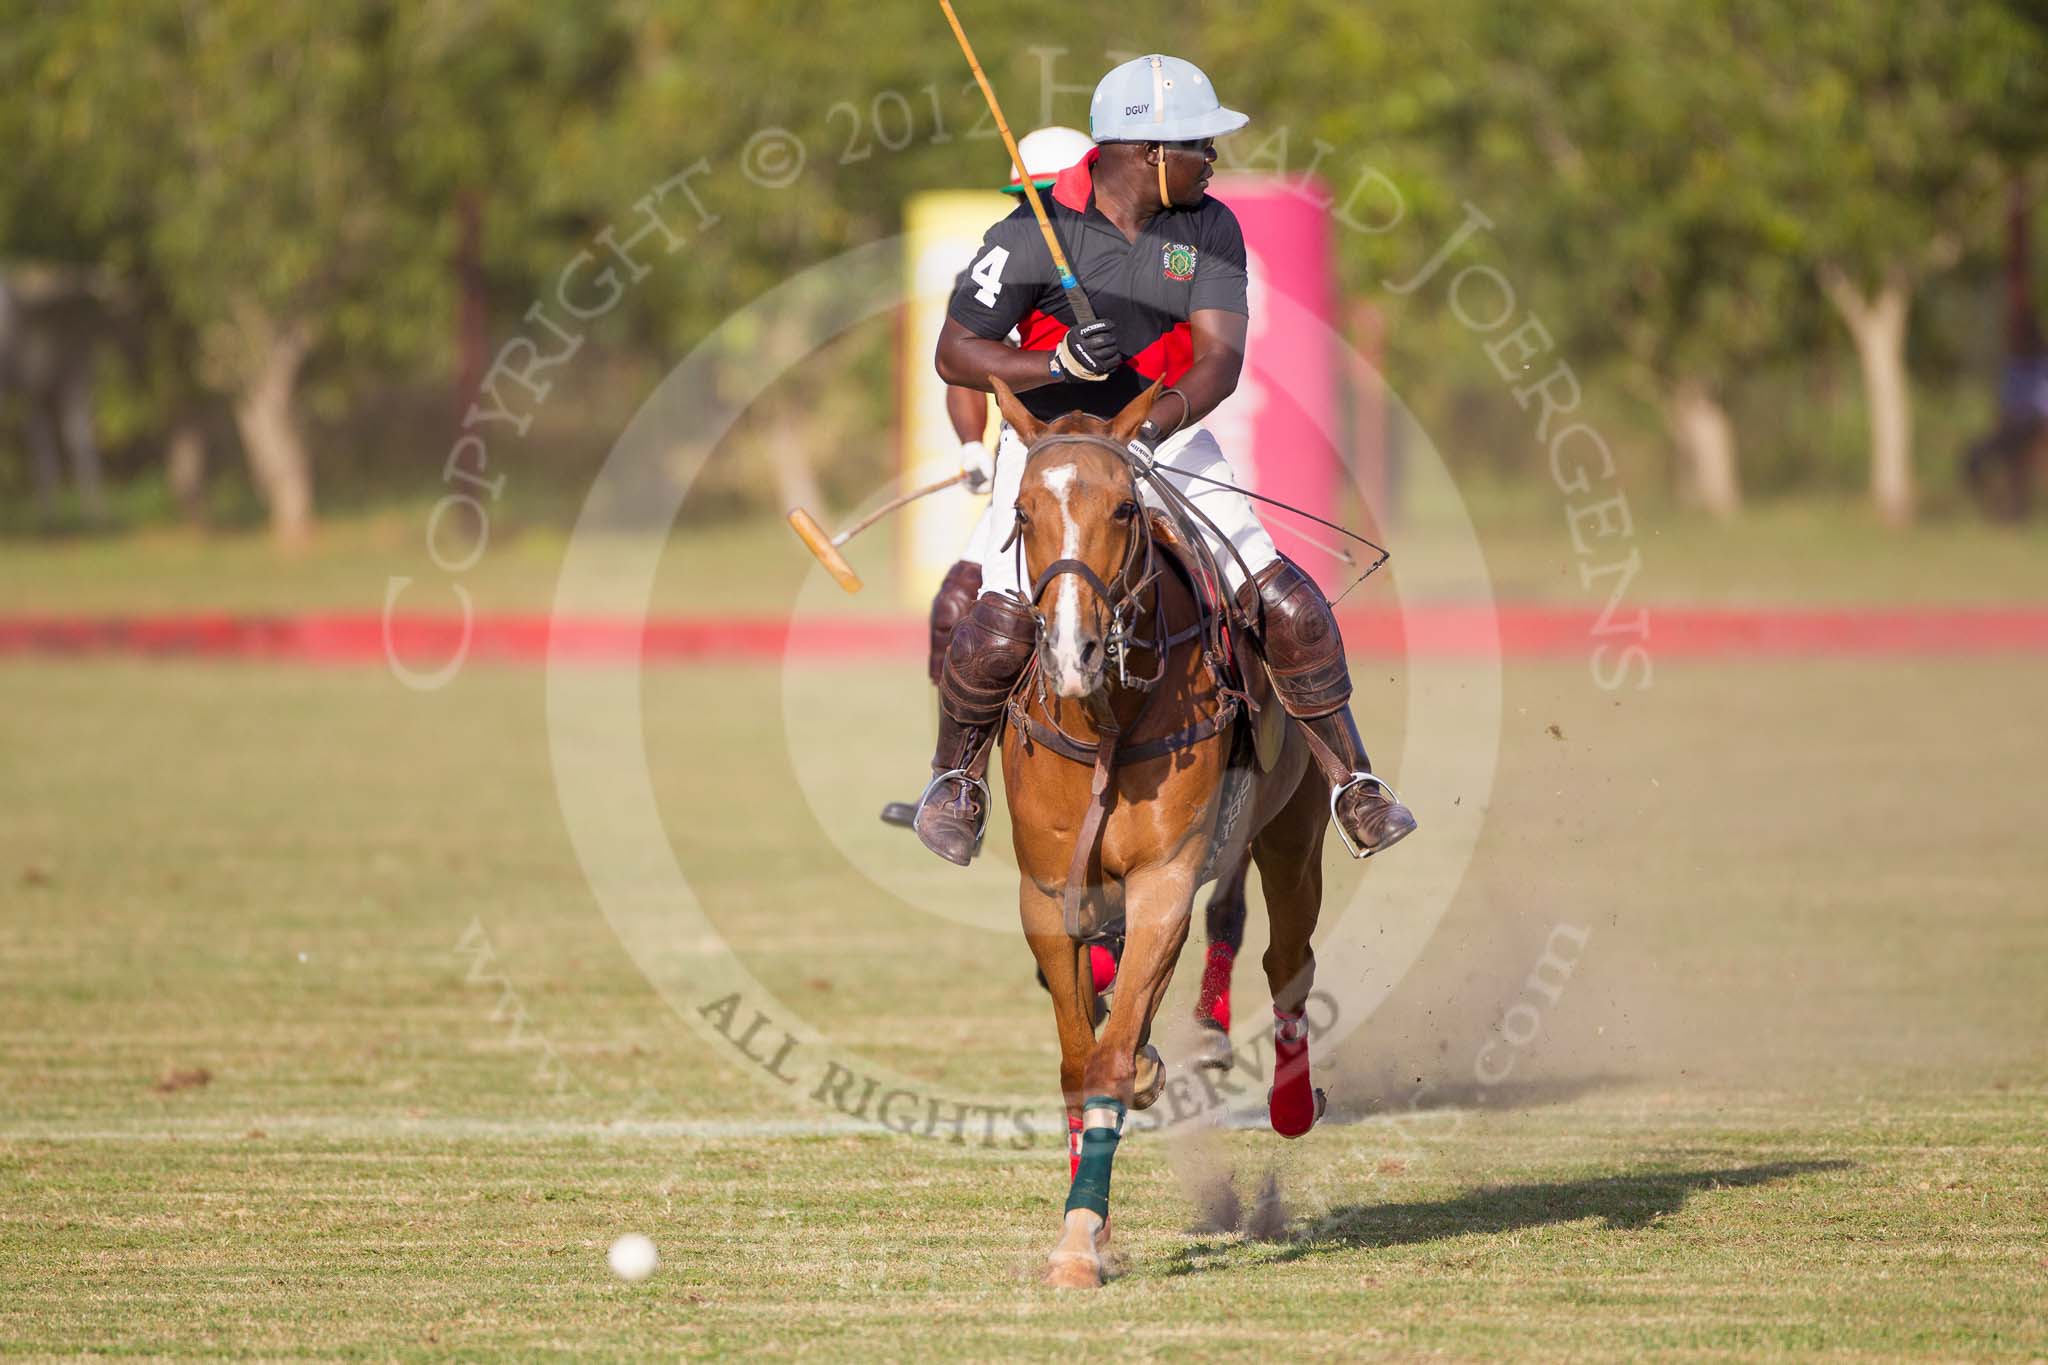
[{"x": 978, "y": 465}]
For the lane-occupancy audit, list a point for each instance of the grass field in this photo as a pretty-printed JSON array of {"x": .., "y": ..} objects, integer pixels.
[{"x": 1790, "y": 1101}]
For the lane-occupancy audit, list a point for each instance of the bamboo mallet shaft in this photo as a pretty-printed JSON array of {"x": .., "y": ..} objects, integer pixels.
[{"x": 1084, "y": 312}]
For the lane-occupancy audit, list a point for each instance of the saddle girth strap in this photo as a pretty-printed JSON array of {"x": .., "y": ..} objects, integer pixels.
[{"x": 1185, "y": 738}]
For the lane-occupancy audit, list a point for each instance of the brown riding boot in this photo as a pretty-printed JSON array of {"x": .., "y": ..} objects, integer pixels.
[
  {"x": 988, "y": 654},
  {"x": 1305, "y": 655},
  {"x": 950, "y": 604}
]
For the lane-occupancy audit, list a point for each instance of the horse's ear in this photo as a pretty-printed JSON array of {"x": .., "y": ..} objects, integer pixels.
[
  {"x": 1027, "y": 427},
  {"x": 1134, "y": 414}
]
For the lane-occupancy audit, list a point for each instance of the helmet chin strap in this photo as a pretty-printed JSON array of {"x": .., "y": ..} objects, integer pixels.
[{"x": 1159, "y": 116}]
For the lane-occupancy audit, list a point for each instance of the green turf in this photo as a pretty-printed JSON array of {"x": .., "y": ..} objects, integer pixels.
[
  {"x": 1890, "y": 1229},
  {"x": 1789, "y": 1102}
]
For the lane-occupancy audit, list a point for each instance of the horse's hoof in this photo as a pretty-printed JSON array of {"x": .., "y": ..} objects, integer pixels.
[
  {"x": 1150, "y": 1079},
  {"x": 1212, "y": 1049},
  {"x": 1073, "y": 1270}
]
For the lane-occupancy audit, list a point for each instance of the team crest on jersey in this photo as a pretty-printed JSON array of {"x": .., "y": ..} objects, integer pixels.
[{"x": 1179, "y": 261}]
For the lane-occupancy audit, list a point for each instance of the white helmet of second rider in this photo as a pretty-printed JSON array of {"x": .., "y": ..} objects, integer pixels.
[
  {"x": 1159, "y": 99},
  {"x": 1047, "y": 152}
]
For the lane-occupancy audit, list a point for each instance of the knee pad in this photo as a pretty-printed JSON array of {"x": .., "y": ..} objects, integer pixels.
[
  {"x": 990, "y": 649},
  {"x": 1298, "y": 631},
  {"x": 954, "y": 600}
]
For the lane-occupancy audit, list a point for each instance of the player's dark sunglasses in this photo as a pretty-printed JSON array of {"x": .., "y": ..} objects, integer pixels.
[{"x": 1197, "y": 144}]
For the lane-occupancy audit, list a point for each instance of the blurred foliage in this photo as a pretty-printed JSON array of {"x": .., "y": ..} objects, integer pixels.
[{"x": 1663, "y": 179}]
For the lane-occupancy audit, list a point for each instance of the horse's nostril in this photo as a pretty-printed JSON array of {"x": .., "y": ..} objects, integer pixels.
[{"x": 1087, "y": 653}]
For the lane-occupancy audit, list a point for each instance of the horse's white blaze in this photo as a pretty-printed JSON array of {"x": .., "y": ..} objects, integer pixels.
[{"x": 1064, "y": 623}]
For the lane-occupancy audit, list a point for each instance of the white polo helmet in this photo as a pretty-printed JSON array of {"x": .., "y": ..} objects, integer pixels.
[
  {"x": 1046, "y": 153},
  {"x": 1159, "y": 99}
]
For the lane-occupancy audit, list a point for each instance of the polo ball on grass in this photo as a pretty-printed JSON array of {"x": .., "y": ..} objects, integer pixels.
[{"x": 633, "y": 1258}]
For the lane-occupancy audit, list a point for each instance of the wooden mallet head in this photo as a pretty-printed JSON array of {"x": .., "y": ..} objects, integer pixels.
[
  {"x": 826, "y": 548},
  {"x": 810, "y": 533}
]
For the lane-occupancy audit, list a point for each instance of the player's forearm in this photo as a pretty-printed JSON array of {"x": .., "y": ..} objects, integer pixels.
[
  {"x": 969, "y": 361},
  {"x": 967, "y": 409},
  {"x": 1207, "y": 383}
]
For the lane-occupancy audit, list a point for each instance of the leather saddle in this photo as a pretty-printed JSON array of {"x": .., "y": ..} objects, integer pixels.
[{"x": 1263, "y": 723}]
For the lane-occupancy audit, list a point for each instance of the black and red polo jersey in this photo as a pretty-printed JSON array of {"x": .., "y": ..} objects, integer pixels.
[{"x": 1183, "y": 260}]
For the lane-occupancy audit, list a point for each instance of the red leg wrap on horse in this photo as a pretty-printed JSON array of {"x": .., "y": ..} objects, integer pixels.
[
  {"x": 1073, "y": 1146},
  {"x": 1292, "y": 1105},
  {"x": 1213, "y": 1004},
  {"x": 1103, "y": 964}
]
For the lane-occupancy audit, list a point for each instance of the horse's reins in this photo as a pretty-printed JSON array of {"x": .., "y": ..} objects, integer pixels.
[
  {"x": 1123, "y": 605},
  {"x": 1384, "y": 553},
  {"x": 1214, "y": 607}
]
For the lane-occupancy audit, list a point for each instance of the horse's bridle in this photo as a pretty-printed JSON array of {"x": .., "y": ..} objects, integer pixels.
[{"x": 1123, "y": 593}]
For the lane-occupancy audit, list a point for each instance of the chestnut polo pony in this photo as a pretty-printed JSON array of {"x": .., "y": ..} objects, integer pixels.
[{"x": 1115, "y": 757}]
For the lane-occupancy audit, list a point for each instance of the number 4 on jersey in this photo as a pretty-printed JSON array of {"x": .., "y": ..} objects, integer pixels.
[{"x": 988, "y": 273}]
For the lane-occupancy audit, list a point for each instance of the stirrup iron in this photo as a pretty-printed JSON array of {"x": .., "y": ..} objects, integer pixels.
[{"x": 1337, "y": 794}]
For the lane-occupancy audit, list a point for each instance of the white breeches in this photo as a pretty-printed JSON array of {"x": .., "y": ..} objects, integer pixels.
[
  {"x": 983, "y": 541},
  {"x": 1193, "y": 450}
]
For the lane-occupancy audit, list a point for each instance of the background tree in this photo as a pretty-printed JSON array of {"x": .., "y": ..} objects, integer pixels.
[
  {"x": 285, "y": 172},
  {"x": 1677, "y": 189},
  {"x": 1611, "y": 133},
  {"x": 1890, "y": 129}
]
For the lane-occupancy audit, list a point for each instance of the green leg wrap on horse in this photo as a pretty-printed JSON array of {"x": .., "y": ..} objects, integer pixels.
[{"x": 1102, "y": 1121}]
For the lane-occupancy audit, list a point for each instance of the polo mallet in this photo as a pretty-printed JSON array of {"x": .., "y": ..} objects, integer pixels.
[
  {"x": 1078, "y": 301},
  {"x": 826, "y": 548}
]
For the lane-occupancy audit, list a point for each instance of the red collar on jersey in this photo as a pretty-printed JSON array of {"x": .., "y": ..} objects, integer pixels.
[{"x": 1074, "y": 184}]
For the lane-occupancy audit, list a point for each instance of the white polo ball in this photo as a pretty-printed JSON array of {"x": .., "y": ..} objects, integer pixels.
[{"x": 632, "y": 1258}]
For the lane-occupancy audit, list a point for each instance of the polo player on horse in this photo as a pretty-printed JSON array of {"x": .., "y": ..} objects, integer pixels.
[{"x": 1164, "y": 266}]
